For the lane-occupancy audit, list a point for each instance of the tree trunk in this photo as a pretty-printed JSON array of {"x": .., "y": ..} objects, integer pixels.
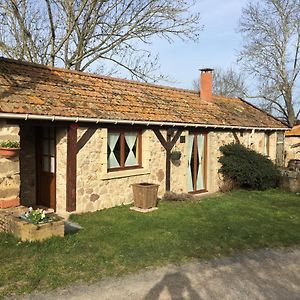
[{"x": 290, "y": 108}]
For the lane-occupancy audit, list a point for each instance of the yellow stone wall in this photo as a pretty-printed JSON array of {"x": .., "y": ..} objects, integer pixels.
[
  {"x": 216, "y": 139},
  {"x": 61, "y": 169},
  {"x": 99, "y": 189},
  {"x": 291, "y": 153},
  {"x": 9, "y": 168}
]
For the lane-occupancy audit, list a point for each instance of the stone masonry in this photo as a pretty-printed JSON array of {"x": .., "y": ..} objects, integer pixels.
[
  {"x": 292, "y": 152},
  {"x": 99, "y": 189},
  {"x": 9, "y": 169}
]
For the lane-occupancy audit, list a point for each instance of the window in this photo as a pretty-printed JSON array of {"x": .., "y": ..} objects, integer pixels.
[
  {"x": 48, "y": 150},
  {"x": 197, "y": 169},
  {"x": 124, "y": 150}
]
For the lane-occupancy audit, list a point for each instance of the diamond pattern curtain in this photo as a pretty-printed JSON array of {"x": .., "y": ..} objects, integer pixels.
[
  {"x": 200, "y": 175},
  {"x": 130, "y": 138},
  {"x": 112, "y": 141},
  {"x": 190, "y": 152}
]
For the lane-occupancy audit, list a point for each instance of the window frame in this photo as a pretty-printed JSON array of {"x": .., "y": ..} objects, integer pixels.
[
  {"x": 122, "y": 149},
  {"x": 195, "y": 133}
]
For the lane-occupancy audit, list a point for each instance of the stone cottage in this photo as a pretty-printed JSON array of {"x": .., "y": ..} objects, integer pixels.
[{"x": 86, "y": 138}]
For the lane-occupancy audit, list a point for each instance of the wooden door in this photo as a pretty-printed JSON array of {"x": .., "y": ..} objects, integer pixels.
[
  {"x": 197, "y": 162},
  {"x": 46, "y": 166}
]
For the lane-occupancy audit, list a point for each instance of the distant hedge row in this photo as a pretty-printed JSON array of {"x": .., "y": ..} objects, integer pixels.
[{"x": 247, "y": 168}]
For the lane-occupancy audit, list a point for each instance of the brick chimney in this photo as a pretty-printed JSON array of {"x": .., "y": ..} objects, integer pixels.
[{"x": 206, "y": 84}]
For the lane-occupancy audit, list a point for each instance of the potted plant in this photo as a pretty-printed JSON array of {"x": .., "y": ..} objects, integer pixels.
[
  {"x": 38, "y": 216},
  {"x": 175, "y": 155},
  {"x": 9, "y": 149},
  {"x": 37, "y": 225}
]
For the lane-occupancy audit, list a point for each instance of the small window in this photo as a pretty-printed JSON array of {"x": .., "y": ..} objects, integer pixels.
[{"x": 123, "y": 150}]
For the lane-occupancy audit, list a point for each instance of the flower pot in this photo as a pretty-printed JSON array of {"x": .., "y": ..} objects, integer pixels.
[
  {"x": 9, "y": 152},
  {"x": 145, "y": 195}
]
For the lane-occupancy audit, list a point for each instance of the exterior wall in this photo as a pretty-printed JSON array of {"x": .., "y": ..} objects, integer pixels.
[
  {"x": 291, "y": 153},
  {"x": 154, "y": 164},
  {"x": 217, "y": 139},
  {"x": 61, "y": 169},
  {"x": 179, "y": 180},
  {"x": 99, "y": 189},
  {"x": 27, "y": 166},
  {"x": 9, "y": 169}
]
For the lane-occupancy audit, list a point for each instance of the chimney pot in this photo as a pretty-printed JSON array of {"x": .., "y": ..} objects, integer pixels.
[{"x": 206, "y": 84}]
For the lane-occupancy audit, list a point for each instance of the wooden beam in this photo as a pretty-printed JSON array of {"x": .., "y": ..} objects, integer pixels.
[
  {"x": 237, "y": 140},
  {"x": 161, "y": 138},
  {"x": 295, "y": 145},
  {"x": 175, "y": 138},
  {"x": 168, "y": 163},
  {"x": 168, "y": 145},
  {"x": 85, "y": 138},
  {"x": 71, "y": 167}
]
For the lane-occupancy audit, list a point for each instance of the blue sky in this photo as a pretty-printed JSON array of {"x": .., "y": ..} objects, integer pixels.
[{"x": 218, "y": 45}]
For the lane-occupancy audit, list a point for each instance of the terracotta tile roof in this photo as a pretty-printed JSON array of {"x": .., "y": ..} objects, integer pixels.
[
  {"x": 34, "y": 89},
  {"x": 294, "y": 132}
]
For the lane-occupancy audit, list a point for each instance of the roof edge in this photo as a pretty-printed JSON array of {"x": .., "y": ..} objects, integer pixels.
[{"x": 129, "y": 122}]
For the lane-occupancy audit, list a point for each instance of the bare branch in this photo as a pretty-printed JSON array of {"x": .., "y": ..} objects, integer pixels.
[
  {"x": 270, "y": 52},
  {"x": 83, "y": 34}
]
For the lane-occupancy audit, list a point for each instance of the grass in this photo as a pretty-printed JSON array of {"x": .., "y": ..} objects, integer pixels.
[{"x": 117, "y": 241}]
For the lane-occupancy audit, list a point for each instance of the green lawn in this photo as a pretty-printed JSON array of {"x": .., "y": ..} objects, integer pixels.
[{"x": 116, "y": 241}]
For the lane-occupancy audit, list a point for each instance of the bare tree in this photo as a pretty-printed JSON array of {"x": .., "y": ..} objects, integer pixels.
[
  {"x": 76, "y": 34},
  {"x": 271, "y": 32},
  {"x": 227, "y": 83}
]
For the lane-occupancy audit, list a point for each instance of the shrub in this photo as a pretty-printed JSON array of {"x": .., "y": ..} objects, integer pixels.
[
  {"x": 247, "y": 168},
  {"x": 227, "y": 185},
  {"x": 171, "y": 196}
]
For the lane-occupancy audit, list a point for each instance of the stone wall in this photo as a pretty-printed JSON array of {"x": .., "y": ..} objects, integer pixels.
[
  {"x": 216, "y": 139},
  {"x": 99, "y": 189},
  {"x": 61, "y": 169},
  {"x": 291, "y": 152},
  {"x": 28, "y": 165},
  {"x": 9, "y": 169}
]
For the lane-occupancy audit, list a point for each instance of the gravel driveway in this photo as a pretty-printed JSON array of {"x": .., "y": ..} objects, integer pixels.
[{"x": 264, "y": 274}]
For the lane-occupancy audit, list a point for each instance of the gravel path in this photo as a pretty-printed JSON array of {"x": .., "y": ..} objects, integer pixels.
[{"x": 264, "y": 274}]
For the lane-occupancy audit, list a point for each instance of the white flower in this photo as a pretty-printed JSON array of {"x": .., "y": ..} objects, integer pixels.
[{"x": 30, "y": 208}]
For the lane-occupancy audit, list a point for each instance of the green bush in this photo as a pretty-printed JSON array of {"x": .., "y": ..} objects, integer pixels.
[{"x": 247, "y": 168}]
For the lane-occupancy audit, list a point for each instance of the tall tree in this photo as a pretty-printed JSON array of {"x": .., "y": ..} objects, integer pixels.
[
  {"x": 76, "y": 34},
  {"x": 271, "y": 33},
  {"x": 227, "y": 83}
]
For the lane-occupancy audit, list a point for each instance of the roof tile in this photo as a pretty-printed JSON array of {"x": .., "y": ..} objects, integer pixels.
[{"x": 35, "y": 89}]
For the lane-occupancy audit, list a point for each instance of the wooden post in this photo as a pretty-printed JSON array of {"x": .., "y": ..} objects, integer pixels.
[
  {"x": 168, "y": 145},
  {"x": 71, "y": 167},
  {"x": 168, "y": 163}
]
